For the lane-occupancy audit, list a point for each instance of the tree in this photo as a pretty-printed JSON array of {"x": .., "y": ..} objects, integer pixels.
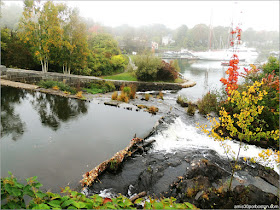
[
  {"x": 103, "y": 58},
  {"x": 12, "y": 47},
  {"x": 40, "y": 28},
  {"x": 181, "y": 35},
  {"x": 198, "y": 37},
  {"x": 73, "y": 50}
]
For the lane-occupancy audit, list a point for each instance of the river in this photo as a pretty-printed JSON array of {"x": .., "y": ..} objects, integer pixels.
[{"x": 59, "y": 139}]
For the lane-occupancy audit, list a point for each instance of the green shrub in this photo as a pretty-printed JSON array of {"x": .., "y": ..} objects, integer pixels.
[
  {"x": 15, "y": 195},
  {"x": 147, "y": 67},
  {"x": 183, "y": 101},
  {"x": 100, "y": 87},
  {"x": 271, "y": 65},
  {"x": 62, "y": 86},
  {"x": 127, "y": 90},
  {"x": 208, "y": 104},
  {"x": 191, "y": 109}
]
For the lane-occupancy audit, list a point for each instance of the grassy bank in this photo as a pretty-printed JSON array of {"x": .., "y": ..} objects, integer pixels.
[{"x": 127, "y": 76}]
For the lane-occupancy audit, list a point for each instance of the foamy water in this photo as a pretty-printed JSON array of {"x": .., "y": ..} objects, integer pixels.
[{"x": 179, "y": 136}]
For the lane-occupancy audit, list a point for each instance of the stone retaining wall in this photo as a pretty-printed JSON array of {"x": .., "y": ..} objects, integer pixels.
[{"x": 33, "y": 77}]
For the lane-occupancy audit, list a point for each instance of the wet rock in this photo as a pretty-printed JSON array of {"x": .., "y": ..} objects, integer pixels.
[
  {"x": 207, "y": 169},
  {"x": 111, "y": 103},
  {"x": 252, "y": 195}
]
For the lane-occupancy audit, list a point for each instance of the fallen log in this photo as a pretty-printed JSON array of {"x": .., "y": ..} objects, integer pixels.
[
  {"x": 111, "y": 164},
  {"x": 139, "y": 195}
]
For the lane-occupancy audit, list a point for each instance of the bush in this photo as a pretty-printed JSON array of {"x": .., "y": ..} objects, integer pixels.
[
  {"x": 123, "y": 97},
  {"x": 167, "y": 72},
  {"x": 270, "y": 101},
  {"x": 147, "y": 67},
  {"x": 160, "y": 95},
  {"x": 152, "y": 68},
  {"x": 175, "y": 64},
  {"x": 182, "y": 101},
  {"x": 115, "y": 95},
  {"x": 57, "y": 85},
  {"x": 15, "y": 195},
  {"x": 100, "y": 87},
  {"x": 152, "y": 109},
  {"x": 127, "y": 90},
  {"x": 147, "y": 96},
  {"x": 133, "y": 89},
  {"x": 208, "y": 104},
  {"x": 271, "y": 65},
  {"x": 191, "y": 109}
]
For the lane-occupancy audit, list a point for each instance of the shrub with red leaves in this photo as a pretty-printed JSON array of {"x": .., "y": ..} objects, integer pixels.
[{"x": 167, "y": 72}]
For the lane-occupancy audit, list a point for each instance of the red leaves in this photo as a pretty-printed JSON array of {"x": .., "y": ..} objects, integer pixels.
[
  {"x": 106, "y": 200},
  {"x": 231, "y": 82},
  {"x": 272, "y": 81}
]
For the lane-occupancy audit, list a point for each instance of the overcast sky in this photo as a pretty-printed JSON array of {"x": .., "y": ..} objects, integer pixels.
[{"x": 260, "y": 15}]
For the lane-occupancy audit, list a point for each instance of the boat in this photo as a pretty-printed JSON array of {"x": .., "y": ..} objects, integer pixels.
[
  {"x": 244, "y": 54},
  {"x": 186, "y": 54}
]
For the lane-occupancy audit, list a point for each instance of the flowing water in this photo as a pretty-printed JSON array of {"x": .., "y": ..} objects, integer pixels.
[{"x": 59, "y": 139}]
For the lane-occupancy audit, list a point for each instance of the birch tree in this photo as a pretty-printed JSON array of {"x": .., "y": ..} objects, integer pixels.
[
  {"x": 40, "y": 28},
  {"x": 74, "y": 49}
]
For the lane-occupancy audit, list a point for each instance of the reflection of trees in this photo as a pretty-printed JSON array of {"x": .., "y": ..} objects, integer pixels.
[
  {"x": 55, "y": 109},
  {"x": 11, "y": 123}
]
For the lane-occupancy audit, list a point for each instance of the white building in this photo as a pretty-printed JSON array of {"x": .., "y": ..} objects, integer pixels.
[
  {"x": 167, "y": 40},
  {"x": 154, "y": 45}
]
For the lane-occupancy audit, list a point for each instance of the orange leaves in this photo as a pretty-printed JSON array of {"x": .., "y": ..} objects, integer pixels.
[
  {"x": 232, "y": 71},
  {"x": 106, "y": 200},
  {"x": 231, "y": 82}
]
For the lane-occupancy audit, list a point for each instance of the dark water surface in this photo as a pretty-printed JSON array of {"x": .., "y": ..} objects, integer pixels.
[{"x": 59, "y": 139}]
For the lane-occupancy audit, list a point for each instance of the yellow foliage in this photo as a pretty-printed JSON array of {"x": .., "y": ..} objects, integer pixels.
[
  {"x": 79, "y": 94},
  {"x": 114, "y": 95},
  {"x": 239, "y": 125},
  {"x": 55, "y": 88},
  {"x": 190, "y": 192}
]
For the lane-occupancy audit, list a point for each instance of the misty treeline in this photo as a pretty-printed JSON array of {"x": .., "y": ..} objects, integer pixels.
[
  {"x": 49, "y": 36},
  {"x": 55, "y": 37}
]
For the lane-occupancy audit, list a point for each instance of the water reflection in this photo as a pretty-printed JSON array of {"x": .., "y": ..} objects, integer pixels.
[
  {"x": 11, "y": 123},
  {"x": 61, "y": 138},
  {"x": 206, "y": 74},
  {"x": 54, "y": 109}
]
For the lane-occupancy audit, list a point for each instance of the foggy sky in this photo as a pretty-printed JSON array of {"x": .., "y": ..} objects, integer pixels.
[{"x": 259, "y": 15}]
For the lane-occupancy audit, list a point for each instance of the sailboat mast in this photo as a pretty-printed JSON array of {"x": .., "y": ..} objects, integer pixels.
[{"x": 210, "y": 30}]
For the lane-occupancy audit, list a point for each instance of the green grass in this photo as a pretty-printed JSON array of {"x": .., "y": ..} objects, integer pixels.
[
  {"x": 99, "y": 87},
  {"x": 127, "y": 76},
  {"x": 93, "y": 90},
  {"x": 50, "y": 84}
]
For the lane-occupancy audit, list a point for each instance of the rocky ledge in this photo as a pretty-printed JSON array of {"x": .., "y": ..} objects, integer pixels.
[{"x": 198, "y": 176}]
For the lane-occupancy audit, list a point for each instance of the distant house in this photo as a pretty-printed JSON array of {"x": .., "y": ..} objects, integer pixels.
[
  {"x": 154, "y": 45},
  {"x": 167, "y": 40}
]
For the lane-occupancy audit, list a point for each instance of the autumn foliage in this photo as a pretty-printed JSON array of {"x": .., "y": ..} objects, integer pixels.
[{"x": 232, "y": 72}]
